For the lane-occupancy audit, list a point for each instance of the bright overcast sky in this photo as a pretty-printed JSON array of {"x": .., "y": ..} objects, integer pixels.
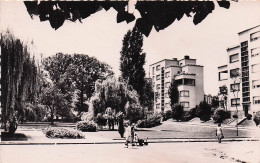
[{"x": 99, "y": 35}]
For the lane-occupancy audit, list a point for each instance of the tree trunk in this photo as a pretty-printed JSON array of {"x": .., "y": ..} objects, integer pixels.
[{"x": 52, "y": 116}]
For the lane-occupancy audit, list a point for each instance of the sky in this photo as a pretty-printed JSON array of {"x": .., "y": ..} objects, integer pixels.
[{"x": 101, "y": 36}]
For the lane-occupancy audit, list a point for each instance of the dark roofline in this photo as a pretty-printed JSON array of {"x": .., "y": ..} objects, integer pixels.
[
  {"x": 222, "y": 66},
  {"x": 163, "y": 60},
  {"x": 172, "y": 66},
  {"x": 233, "y": 47},
  {"x": 192, "y": 65},
  {"x": 193, "y": 74},
  {"x": 239, "y": 33},
  {"x": 187, "y": 59}
]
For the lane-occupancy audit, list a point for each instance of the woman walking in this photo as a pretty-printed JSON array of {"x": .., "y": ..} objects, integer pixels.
[
  {"x": 219, "y": 133},
  {"x": 127, "y": 135}
]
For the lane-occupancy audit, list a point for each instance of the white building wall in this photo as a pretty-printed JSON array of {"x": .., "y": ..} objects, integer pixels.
[
  {"x": 252, "y": 60},
  {"x": 196, "y": 93}
]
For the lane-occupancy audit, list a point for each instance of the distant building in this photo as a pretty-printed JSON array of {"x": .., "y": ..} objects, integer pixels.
[
  {"x": 244, "y": 59},
  {"x": 186, "y": 73}
]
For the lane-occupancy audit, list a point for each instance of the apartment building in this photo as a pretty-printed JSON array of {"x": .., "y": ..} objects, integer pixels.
[
  {"x": 243, "y": 91},
  {"x": 186, "y": 73}
]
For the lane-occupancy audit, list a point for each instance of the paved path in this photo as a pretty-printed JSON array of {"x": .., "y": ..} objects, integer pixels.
[{"x": 117, "y": 153}]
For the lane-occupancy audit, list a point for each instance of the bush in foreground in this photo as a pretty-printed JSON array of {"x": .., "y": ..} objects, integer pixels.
[
  {"x": 220, "y": 115},
  {"x": 188, "y": 115},
  {"x": 167, "y": 115},
  {"x": 257, "y": 118},
  {"x": 151, "y": 121},
  {"x": 61, "y": 132},
  {"x": 203, "y": 111},
  {"x": 89, "y": 126},
  {"x": 177, "y": 112}
]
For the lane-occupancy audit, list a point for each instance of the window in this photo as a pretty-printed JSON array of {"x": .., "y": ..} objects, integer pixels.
[
  {"x": 256, "y": 100},
  {"x": 189, "y": 82},
  {"x": 185, "y": 104},
  {"x": 234, "y": 87},
  {"x": 246, "y": 99},
  {"x": 233, "y": 58},
  {"x": 158, "y": 77},
  {"x": 153, "y": 78},
  {"x": 167, "y": 105},
  {"x": 166, "y": 95},
  {"x": 157, "y": 96},
  {"x": 255, "y": 68},
  {"x": 255, "y": 52},
  {"x": 255, "y": 36},
  {"x": 184, "y": 93},
  {"x": 158, "y": 67},
  {"x": 158, "y": 86},
  {"x": 167, "y": 74},
  {"x": 153, "y": 70},
  {"x": 235, "y": 102},
  {"x": 223, "y": 75},
  {"x": 243, "y": 44},
  {"x": 167, "y": 85},
  {"x": 157, "y": 106},
  {"x": 256, "y": 83},
  {"x": 244, "y": 54},
  {"x": 234, "y": 73}
]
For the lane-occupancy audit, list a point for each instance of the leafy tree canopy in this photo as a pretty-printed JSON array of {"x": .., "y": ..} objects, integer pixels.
[
  {"x": 76, "y": 75},
  {"x": 153, "y": 14}
]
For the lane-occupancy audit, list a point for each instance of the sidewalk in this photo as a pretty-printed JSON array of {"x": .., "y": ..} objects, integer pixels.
[{"x": 37, "y": 137}]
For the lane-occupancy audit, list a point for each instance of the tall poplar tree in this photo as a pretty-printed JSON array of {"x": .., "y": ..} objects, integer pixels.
[{"x": 132, "y": 61}]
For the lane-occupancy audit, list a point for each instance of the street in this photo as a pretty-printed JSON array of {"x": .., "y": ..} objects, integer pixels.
[{"x": 158, "y": 152}]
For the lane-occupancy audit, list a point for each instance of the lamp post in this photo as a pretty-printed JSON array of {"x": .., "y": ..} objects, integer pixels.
[{"x": 236, "y": 78}]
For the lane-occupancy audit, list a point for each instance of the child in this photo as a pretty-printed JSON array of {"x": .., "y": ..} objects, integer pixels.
[
  {"x": 136, "y": 139},
  {"x": 219, "y": 133}
]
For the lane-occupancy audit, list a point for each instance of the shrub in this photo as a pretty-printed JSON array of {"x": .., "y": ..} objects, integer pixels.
[
  {"x": 61, "y": 132},
  {"x": 134, "y": 112},
  {"x": 257, "y": 118},
  {"x": 177, "y": 112},
  {"x": 235, "y": 116},
  {"x": 101, "y": 120},
  {"x": 151, "y": 121},
  {"x": 249, "y": 116},
  {"x": 167, "y": 115},
  {"x": 203, "y": 111},
  {"x": 220, "y": 115},
  {"x": 188, "y": 115},
  {"x": 89, "y": 126}
]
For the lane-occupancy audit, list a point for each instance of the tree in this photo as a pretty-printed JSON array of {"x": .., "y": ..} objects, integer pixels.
[
  {"x": 148, "y": 96},
  {"x": 153, "y": 14},
  {"x": 173, "y": 93},
  {"x": 203, "y": 111},
  {"x": 132, "y": 61},
  {"x": 177, "y": 112},
  {"x": 215, "y": 102},
  {"x": 223, "y": 91},
  {"x": 76, "y": 75},
  {"x": 114, "y": 94},
  {"x": 18, "y": 81}
]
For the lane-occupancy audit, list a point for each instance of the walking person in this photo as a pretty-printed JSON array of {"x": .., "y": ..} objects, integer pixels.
[
  {"x": 219, "y": 133},
  {"x": 132, "y": 134},
  {"x": 127, "y": 134}
]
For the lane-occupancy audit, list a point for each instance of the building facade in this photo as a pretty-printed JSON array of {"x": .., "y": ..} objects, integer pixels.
[
  {"x": 186, "y": 73},
  {"x": 241, "y": 75}
]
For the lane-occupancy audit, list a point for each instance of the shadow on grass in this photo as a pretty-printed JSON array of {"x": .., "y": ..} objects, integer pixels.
[{"x": 5, "y": 136}]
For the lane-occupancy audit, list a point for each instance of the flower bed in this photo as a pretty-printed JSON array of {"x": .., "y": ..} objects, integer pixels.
[
  {"x": 152, "y": 121},
  {"x": 61, "y": 132},
  {"x": 86, "y": 126}
]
